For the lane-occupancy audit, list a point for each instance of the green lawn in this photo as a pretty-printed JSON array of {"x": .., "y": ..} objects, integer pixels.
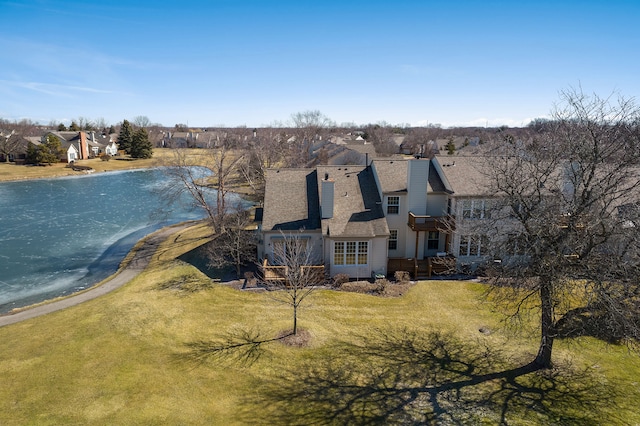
[{"x": 126, "y": 358}]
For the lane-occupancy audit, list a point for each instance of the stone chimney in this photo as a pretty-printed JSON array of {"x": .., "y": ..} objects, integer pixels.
[{"x": 326, "y": 201}]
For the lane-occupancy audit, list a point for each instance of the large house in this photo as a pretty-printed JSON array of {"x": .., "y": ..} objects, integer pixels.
[{"x": 374, "y": 219}]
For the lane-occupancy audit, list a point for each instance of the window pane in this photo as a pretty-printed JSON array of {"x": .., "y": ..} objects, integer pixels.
[
  {"x": 393, "y": 205},
  {"x": 338, "y": 253},
  {"x": 350, "y": 257},
  {"x": 466, "y": 209},
  {"x": 393, "y": 239},
  {"x": 433, "y": 240},
  {"x": 363, "y": 248}
]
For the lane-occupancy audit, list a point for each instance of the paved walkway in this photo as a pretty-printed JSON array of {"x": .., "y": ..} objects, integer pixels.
[{"x": 140, "y": 260}]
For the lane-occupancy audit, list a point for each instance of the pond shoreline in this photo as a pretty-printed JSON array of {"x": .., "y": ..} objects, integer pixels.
[{"x": 141, "y": 255}]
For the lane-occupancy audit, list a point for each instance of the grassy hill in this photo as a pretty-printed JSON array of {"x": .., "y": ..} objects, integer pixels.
[{"x": 139, "y": 356}]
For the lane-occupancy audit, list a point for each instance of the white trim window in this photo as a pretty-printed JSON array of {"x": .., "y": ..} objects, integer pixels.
[
  {"x": 393, "y": 239},
  {"x": 475, "y": 209},
  {"x": 393, "y": 204},
  {"x": 473, "y": 245},
  {"x": 433, "y": 240},
  {"x": 350, "y": 253}
]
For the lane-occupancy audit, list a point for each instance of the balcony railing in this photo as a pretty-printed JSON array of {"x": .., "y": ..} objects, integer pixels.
[{"x": 430, "y": 223}]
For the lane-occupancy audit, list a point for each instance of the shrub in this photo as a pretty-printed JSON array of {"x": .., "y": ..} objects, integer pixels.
[
  {"x": 381, "y": 285},
  {"x": 363, "y": 287},
  {"x": 402, "y": 276},
  {"x": 105, "y": 157},
  {"x": 340, "y": 279}
]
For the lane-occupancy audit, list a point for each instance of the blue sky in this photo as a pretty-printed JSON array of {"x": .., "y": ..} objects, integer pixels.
[{"x": 254, "y": 63}]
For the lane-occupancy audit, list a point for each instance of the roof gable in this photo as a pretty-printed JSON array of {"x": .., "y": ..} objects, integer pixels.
[{"x": 357, "y": 208}]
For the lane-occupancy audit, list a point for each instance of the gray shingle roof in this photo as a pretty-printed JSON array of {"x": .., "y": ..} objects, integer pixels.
[
  {"x": 465, "y": 175},
  {"x": 392, "y": 175},
  {"x": 357, "y": 208},
  {"x": 291, "y": 200}
]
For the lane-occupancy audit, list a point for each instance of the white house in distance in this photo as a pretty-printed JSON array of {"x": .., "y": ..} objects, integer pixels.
[
  {"x": 392, "y": 214},
  {"x": 81, "y": 145}
]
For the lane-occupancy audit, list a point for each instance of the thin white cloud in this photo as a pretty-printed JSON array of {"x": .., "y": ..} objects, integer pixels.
[{"x": 54, "y": 89}]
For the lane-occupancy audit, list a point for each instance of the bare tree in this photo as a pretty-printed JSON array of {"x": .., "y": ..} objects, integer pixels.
[
  {"x": 11, "y": 143},
  {"x": 265, "y": 150},
  {"x": 84, "y": 123},
  {"x": 565, "y": 223},
  {"x": 225, "y": 164},
  {"x": 205, "y": 179},
  {"x": 423, "y": 140},
  {"x": 236, "y": 246},
  {"x": 383, "y": 139},
  {"x": 296, "y": 274},
  {"x": 101, "y": 124},
  {"x": 141, "y": 121},
  {"x": 308, "y": 127},
  {"x": 187, "y": 176}
]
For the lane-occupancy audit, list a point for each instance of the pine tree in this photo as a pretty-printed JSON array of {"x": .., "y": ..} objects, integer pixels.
[
  {"x": 45, "y": 153},
  {"x": 125, "y": 137},
  {"x": 451, "y": 147},
  {"x": 141, "y": 146}
]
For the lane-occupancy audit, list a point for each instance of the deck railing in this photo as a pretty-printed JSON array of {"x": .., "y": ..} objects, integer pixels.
[
  {"x": 430, "y": 223},
  {"x": 274, "y": 273}
]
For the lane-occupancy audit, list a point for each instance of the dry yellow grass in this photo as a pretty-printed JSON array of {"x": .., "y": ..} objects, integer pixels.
[
  {"x": 125, "y": 358},
  {"x": 11, "y": 171}
]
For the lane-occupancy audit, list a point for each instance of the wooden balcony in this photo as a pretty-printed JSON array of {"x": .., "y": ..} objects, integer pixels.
[
  {"x": 275, "y": 273},
  {"x": 430, "y": 223}
]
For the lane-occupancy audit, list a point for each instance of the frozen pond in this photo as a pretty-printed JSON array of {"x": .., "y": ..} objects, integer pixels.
[{"x": 58, "y": 236}]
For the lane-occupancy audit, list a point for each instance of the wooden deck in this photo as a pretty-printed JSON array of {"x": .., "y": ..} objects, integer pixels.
[
  {"x": 422, "y": 268},
  {"x": 275, "y": 273}
]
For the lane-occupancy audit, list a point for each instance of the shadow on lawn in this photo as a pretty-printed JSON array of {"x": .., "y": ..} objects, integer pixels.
[{"x": 408, "y": 377}]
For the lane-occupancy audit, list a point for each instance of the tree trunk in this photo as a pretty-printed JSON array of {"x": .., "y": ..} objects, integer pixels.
[
  {"x": 543, "y": 358},
  {"x": 295, "y": 320}
]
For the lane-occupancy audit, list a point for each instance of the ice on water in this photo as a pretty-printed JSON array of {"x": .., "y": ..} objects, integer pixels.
[{"x": 60, "y": 235}]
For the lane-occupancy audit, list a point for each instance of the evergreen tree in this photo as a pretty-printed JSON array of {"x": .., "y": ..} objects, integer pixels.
[
  {"x": 451, "y": 147},
  {"x": 32, "y": 154},
  {"x": 45, "y": 153},
  {"x": 73, "y": 127},
  {"x": 62, "y": 127},
  {"x": 141, "y": 146},
  {"x": 125, "y": 137}
]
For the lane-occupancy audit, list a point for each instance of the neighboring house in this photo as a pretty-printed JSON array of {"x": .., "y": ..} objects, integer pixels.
[
  {"x": 78, "y": 145},
  {"x": 190, "y": 139},
  {"x": 393, "y": 214},
  {"x": 111, "y": 148}
]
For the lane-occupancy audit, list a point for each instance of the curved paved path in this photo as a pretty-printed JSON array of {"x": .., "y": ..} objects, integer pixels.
[{"x": 141, "y": 259}]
